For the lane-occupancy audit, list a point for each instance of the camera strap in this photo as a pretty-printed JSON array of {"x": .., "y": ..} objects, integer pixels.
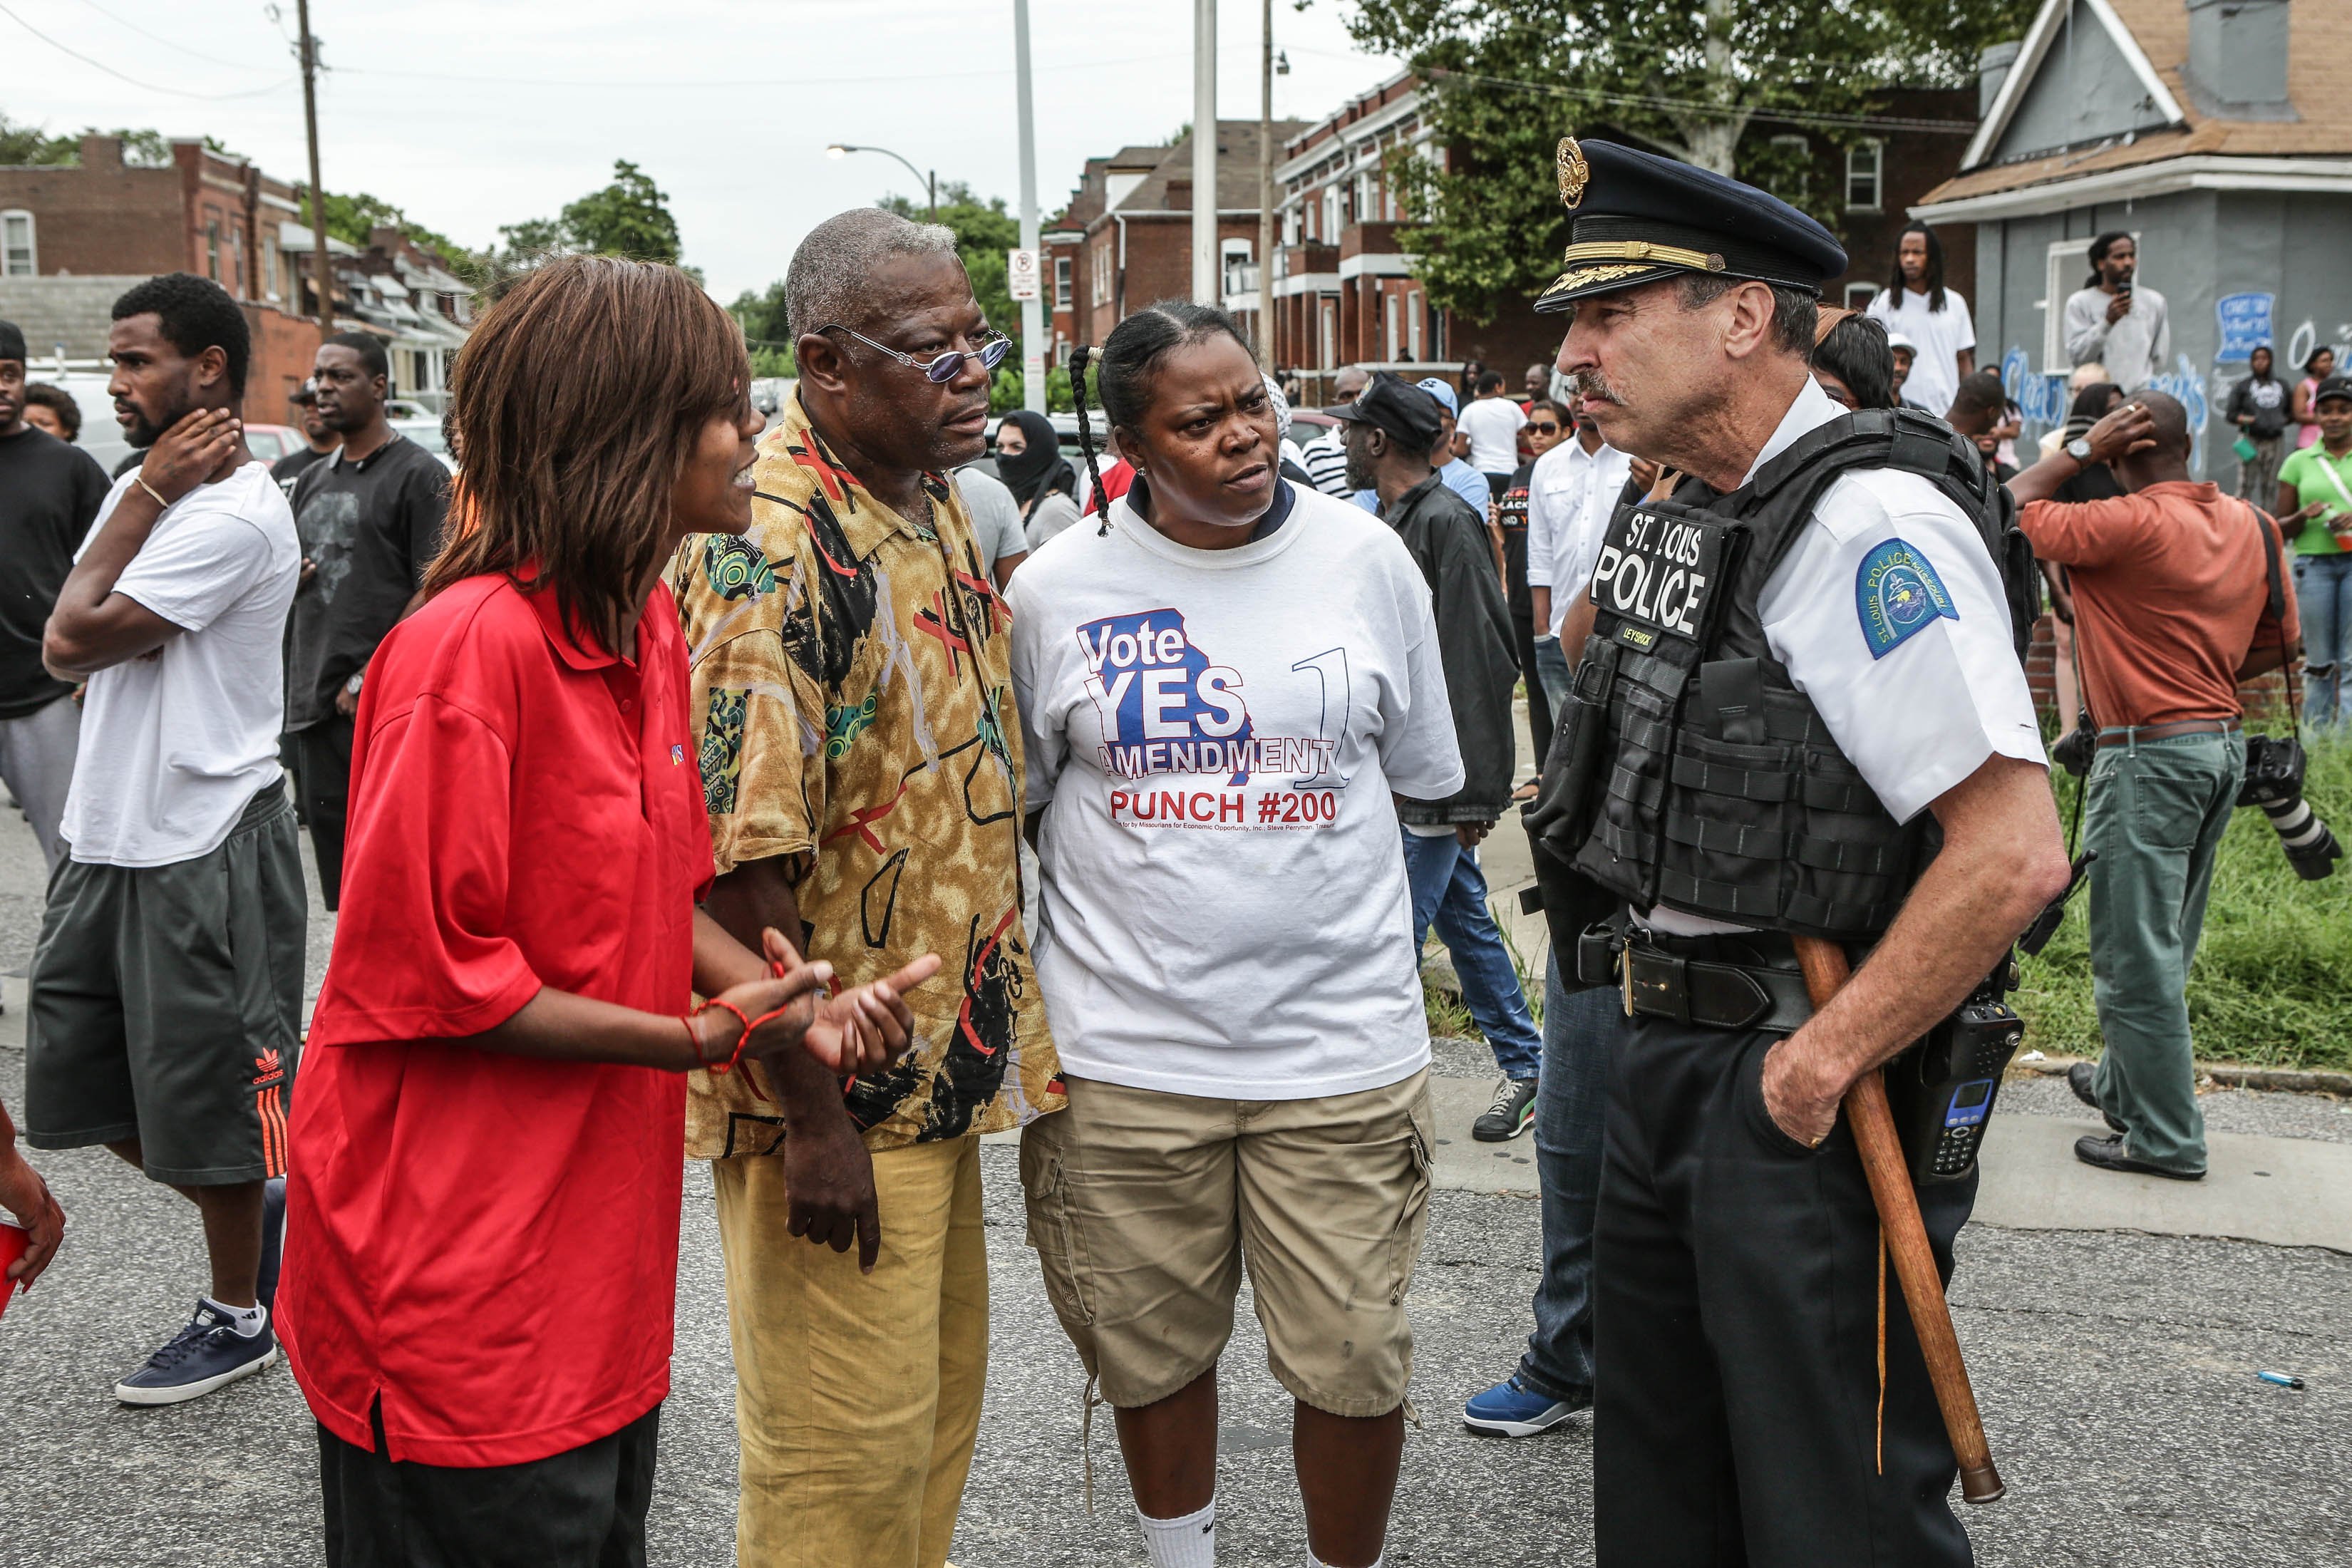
[{"x": 2274, "y": 544}]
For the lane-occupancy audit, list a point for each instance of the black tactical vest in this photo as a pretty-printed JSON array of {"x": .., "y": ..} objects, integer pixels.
[{"x": 1687, "y": 769}]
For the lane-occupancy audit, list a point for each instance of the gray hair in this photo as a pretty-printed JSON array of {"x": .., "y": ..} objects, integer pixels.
[{"x": 826, "y": 282}]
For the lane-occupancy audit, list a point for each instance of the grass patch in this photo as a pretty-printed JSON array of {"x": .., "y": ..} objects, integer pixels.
[{"x": 2272, "y": 979}]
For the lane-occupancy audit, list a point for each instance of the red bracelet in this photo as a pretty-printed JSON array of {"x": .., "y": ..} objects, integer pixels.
[{"x": 721, "y": 1070}]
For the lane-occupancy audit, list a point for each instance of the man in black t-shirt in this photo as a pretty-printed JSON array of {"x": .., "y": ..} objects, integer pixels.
[
  {"x": 303, "y": 406},
  {"x": 49, "y": 492},
  {"x": 370, "y": 519}
]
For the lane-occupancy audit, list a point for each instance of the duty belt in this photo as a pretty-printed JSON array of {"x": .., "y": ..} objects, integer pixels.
[{"x": 1658, "y": 982}]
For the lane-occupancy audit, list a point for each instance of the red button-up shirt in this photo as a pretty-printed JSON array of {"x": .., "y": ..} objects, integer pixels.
[{"x": 489, "y": 1243}]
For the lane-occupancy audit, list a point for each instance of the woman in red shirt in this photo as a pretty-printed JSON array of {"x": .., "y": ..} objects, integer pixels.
[{"x": 482, "y": 1211}]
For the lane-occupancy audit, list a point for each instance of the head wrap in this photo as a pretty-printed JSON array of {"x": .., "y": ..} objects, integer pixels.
[
  {"x": 12, "y": 342},
  {"x": 1039, "y": 466}
]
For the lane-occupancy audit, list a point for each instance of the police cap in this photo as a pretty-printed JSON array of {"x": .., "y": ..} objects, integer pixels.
[
  {"x": 1640, "y": 217},
  {"x": 1392, "y": 404}
]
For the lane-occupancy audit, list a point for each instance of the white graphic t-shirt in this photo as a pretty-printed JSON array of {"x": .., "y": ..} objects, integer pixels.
[{"x": 1213, "y": 737}]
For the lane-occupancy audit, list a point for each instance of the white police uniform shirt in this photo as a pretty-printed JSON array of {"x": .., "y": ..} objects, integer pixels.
[
  {"x": 1890, "y": 615},
  {"x": 1570, "y": 498}
]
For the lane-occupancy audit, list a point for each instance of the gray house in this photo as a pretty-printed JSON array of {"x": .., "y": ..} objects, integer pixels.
[{"x": 2219, "y": 134}]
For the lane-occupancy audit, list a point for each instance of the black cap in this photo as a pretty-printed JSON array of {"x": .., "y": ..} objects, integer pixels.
[
  {"x": 2333, "y": 386},
  {"x": 12, "y": 342},
  {"x": 1392, "y": 404},
  {"x": 1640, "y": 217}
]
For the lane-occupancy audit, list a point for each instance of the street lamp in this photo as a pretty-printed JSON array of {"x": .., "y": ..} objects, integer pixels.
[{"x": 930, "y": 181}]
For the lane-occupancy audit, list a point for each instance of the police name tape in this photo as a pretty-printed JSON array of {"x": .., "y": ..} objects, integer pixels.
[{"x": 1225, "y": 808}]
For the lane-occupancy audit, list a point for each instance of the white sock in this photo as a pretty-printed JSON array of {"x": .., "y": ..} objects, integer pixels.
[
  {"x": 1315, "y": 1561},
  {"x": 247, "y": 1320},
  {"x": 1187, "y": 1542}
]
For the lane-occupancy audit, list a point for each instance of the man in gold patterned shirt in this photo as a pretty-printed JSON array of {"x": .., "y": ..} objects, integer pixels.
[{"x": 862, "y": 761}]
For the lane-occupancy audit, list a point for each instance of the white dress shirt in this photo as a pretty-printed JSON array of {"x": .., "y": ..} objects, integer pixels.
[{"x": 1570, "y": 496}]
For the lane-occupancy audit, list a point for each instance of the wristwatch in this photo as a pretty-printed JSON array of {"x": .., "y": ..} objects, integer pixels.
[
  {"x": 355, "y": 682},
  {"x": 2080, "y": 450}
]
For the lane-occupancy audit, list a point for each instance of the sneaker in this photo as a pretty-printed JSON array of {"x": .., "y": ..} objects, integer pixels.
[
  {"x": 207, "y": 1354},
  {"x": 1512, "y": 1409},
  {"x": 1513, "y": 1112},
  {"x": 273, "y": 1231}
]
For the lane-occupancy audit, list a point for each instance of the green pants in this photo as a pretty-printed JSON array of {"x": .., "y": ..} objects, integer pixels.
[{"x": 2155, "y": 816}]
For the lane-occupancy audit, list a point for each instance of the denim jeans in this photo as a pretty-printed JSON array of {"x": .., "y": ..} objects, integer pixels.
[
  {"x": 1449, "y": 891},
  {"x": 1570, "y": 1108},
  {"x": 2154, "y": 813},
  {"x": 2323, "y": 597},
  {"x": 1552, "y": 665}
]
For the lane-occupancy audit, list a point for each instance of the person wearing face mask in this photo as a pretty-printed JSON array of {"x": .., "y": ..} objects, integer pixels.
[
  {"x": 1223, "y": 689},
  {"x": 1029, "y": 460}
]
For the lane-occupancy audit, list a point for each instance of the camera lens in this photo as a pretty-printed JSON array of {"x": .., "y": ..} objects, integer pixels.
[{"x": 2310, "y": 847}]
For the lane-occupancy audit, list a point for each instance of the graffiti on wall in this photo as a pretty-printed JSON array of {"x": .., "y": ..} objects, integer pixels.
[
  {"x": 2042, "y": 400},
  {"x": 2306, "y": 340},
  {"x": 2186, "y": 384}
]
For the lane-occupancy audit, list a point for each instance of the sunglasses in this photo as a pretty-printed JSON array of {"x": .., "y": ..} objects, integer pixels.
[
  {"x": 1543, "y": 428},
  {"x": 942, "y": 368}
]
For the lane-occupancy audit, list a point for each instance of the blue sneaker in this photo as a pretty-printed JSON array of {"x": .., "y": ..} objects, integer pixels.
[
  {"x": 273, "y": 1231},
  {"x": 1512, "y": 1409},
  {"x": 208, "y": 1353}
]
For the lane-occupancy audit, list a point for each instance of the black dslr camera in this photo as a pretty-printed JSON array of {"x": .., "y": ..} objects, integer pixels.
[{"x": 2274, "y": 783}]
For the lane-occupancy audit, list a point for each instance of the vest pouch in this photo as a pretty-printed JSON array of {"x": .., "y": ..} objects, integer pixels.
[
  {"x": 1849, "y": 864},
  {"x": 1730, "y": 810},
  {"x": 1561, "y": 810}
]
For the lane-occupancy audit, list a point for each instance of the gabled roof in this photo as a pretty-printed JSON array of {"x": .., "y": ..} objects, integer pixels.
[
  {"x": 1236, "y": 168},
  {"x": 2153, "y": 35}
]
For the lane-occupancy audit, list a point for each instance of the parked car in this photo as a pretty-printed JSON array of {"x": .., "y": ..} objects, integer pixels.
[
  {"x": 271, "y": 442},
  {"x": 426, "y": 432}
]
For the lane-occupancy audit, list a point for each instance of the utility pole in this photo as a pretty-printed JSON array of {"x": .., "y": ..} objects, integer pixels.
[
  {"x": 1033, "y": 309},
  {"x": 1207, "y": 286},
  {"x": 1266, "y": 193},
  {"x": 323, "y": 272}
]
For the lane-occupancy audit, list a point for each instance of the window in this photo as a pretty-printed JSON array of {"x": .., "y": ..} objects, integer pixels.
[
  {"x": 18, "y": 258},
  {"x": 1413, "y": 314},
  {"x": 1238, "y": 274},
  {"x": 212, "y": 250},
  {"x": 1797, "y": 153},
  {"x": 2069, "y": 263},
  {"x": 1388, "y": 325},
  {"x": 1331, "y": 198},
  {"x": 1858, "y": 295},
  {"x": 1330, "y": 357},
  {"x": 269, "y": 267},
  {"x": 1061, "y": 283},
  {"x": 1865, "y": 169},
  {"x": 237, "y": 257}
]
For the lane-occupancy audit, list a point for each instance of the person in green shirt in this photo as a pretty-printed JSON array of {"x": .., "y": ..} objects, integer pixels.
[{"x": 2315, "y": 491}]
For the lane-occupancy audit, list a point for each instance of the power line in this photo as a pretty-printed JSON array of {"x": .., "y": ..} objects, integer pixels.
[
  {"x": 171, "y": 43},
  {"x": 134, "y": 81},
  {"x": 1694, "y": 106},
  {"x": 697, "y": 82}
]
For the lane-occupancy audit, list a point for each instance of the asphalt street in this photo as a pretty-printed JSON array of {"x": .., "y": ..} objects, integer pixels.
[{"x": 2116, "y": 1371}]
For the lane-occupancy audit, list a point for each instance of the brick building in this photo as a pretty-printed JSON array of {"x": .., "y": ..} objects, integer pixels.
[
  {"x": 74, "y": 237},
  {"x": 1125, "y": 238}
]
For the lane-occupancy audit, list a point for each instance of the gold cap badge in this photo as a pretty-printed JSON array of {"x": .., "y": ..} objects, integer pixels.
[{"x": 1574, "y": 173}]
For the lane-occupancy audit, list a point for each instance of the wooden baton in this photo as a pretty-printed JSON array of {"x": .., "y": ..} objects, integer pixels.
[{"x": 1826, "y": 972}]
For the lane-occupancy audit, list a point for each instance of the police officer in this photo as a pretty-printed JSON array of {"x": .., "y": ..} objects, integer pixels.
[{"x": 1802, "y": 712}]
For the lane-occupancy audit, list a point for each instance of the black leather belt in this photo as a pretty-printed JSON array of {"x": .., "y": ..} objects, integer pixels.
[{"x": 1661, "y": 978}]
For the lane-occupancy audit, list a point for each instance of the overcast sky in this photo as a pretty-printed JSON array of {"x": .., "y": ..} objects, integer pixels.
[{"x": 474, "y": 113}]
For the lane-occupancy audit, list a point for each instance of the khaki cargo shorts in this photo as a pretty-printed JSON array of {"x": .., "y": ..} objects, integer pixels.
[{"x": 1144, "y": 1207}]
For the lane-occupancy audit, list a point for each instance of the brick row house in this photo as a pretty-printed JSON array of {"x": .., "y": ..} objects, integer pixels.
[
  {"x": 73, "y": 236},
  {"x": 1344, "y": 291}
]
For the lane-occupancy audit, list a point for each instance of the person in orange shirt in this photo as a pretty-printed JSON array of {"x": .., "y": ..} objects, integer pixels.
[{"x": 2173, "y": 608}]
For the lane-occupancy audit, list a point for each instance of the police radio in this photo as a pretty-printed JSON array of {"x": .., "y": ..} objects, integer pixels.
[{"x": 1942, "y": 1089}]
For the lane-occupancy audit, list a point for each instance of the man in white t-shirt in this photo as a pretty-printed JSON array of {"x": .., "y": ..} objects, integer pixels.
[
  {"x": 1572, "y": 496},
  {"x": 1493, "y": 423},
  {"x": 167, "y": 983},
  {"x": 1934, "y": 318}
]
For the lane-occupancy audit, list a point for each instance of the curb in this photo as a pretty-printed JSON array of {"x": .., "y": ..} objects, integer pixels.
[{"x": 2226, "y": 1075}]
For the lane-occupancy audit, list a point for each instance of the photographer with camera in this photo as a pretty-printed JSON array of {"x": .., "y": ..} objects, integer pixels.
[{"x": 2176, "y": 600}]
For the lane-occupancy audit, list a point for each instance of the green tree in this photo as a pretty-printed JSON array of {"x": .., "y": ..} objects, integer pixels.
[
  {"x": 353, "y": 217},
  {"x": 984, "y": 231},
  {"x": 1709, "y": 81},
  {"x": 629, "y": 218},
  {"x": 22, "y": 144}
]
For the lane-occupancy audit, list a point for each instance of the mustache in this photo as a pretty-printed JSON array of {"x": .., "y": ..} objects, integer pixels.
[{"x": 1593, "y": 387}]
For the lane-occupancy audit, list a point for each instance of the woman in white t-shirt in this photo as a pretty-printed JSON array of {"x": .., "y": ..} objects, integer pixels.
[
  {"x": 1221, "y": 688},
  {"x": 1915, "y": 304}
]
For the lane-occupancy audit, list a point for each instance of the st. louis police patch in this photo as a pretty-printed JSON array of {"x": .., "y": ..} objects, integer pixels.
[{"x": 1896, "y": 594}]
